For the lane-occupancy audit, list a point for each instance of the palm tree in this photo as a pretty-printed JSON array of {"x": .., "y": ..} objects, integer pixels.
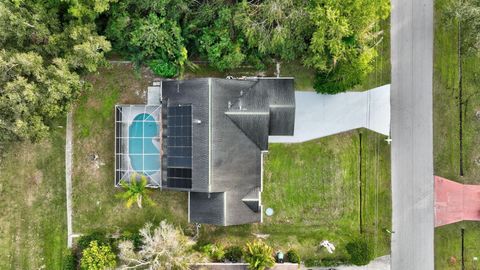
[{"x": 135, "y": 191}]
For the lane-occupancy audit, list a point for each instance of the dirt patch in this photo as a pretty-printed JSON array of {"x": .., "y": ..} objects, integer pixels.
[
  {"x": 37, "y": 178},
  {"x": 34, "y": 182}
]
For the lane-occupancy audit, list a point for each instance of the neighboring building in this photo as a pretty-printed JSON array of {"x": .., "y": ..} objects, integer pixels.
[{"x": 206, "y": 137}]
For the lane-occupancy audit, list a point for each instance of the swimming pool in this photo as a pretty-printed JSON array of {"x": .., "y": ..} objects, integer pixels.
[{"x": 144, "y": 154}]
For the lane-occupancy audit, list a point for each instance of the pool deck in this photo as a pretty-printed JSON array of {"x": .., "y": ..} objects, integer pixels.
[{"x": 154, "y": 94}]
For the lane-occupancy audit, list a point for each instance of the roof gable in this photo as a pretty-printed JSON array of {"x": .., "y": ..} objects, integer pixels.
[{"x": 254, "y": 125}]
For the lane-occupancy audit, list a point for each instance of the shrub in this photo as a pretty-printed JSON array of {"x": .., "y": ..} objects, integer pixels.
[
  {"x": 233, "y": 254},
  {"x": 97, "y": 257},
  {"x": 198, "y": 246},
  {"x": 164, "y": 247},
  {"x": 163, "y": 68},
  {"x": 69, "y": 261},
  {"x": 135, "y": 237},
  {"x": 215, "y": 252},
  {"x": 292, "y": 256},
  {"x": 258, "y": 255},
  {"x": 360, "y": 251},
  {"x": 84, "y": 240}
]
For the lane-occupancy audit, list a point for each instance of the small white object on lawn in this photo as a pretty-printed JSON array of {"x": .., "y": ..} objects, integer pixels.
[
  {"x": 269, "y": 212},
  {"x": 329, "y": 246}
]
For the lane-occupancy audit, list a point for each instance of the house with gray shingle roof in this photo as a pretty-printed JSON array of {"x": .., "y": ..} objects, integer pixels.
[{"x": 209, "y": 136}]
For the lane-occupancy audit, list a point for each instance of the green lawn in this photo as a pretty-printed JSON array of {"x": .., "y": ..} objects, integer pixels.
[
  {"x": 314, "y": 189},
  {"x": 33, "y": 232},
  {"x": 446, "y": 133},
  {"x": 448, "y": 249},
  {"x": 446, "y": 114}
]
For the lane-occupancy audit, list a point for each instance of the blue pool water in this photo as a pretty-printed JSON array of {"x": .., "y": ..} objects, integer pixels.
[{"x": 144, "y": 155}]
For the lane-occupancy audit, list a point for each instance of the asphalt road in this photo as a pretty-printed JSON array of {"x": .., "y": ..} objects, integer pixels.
[
  {"x": 318, "y": 116},
  {"x": 412, "y": 135}
]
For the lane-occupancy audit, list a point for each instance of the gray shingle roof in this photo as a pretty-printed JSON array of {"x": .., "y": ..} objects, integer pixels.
[{"x": 236, "y": 118}]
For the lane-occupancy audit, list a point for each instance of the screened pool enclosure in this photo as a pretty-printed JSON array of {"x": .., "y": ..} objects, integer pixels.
[{"x": 138, "y": 141}]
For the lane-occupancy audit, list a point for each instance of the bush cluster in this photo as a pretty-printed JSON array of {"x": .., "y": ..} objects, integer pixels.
[
  {"x": 214, "y": 252},
  {"x": 292, "y": 256},
  {"x": 360, "y": 251},
  {"x": 234, "y": 254},
  {"x": 69, "y": 261}
]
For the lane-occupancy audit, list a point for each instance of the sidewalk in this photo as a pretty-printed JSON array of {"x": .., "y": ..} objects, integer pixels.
[{"x": 381, "y": 263}]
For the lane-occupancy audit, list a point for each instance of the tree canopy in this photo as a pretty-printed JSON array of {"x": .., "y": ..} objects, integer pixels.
[
  {"x": 149, "y": 32},
  {"x": 220, "y": 42},
  {"x": 337, "y": 39},
  {"x": 277, "y": 28},
  {"x": 343, "y": 43},
  {"x": 467, "y": 14},
  {"x": 45, "y": 46}
]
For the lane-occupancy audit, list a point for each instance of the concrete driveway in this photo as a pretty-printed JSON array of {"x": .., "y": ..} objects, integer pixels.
[{"x": 318, "y": 116}]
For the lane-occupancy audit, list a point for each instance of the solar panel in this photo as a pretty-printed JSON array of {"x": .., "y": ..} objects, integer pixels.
[{"x": 179, "y": 146}]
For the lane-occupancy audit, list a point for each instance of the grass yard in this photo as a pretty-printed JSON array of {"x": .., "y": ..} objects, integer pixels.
[
  {"x": 33, "y": 233},
  {"x": 448, "y": 240},
  {"x": 95, "y": 207},
  {"x": 446, "y": 134},
  {"x": 446, "y": 112},
  {"x": 314, "y": 189}
]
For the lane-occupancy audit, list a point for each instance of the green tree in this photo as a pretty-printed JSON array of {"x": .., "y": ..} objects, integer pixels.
[
  {"x": 466, "y": 14},
  {"x": 97, "y": 257},
  {"x": 343, "y": 44},
  {"x": 220, "y": 43},
  {"x": 45, "y": 46},
  {"x": 275, "y": 27},
  {"x": 149, "y": 32},
  {"x": 32, "y": 93},
  {"x": 135, "y": 191},
  {"x": 164, "y": 247},
  {"x": 258, "y": 255}
]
